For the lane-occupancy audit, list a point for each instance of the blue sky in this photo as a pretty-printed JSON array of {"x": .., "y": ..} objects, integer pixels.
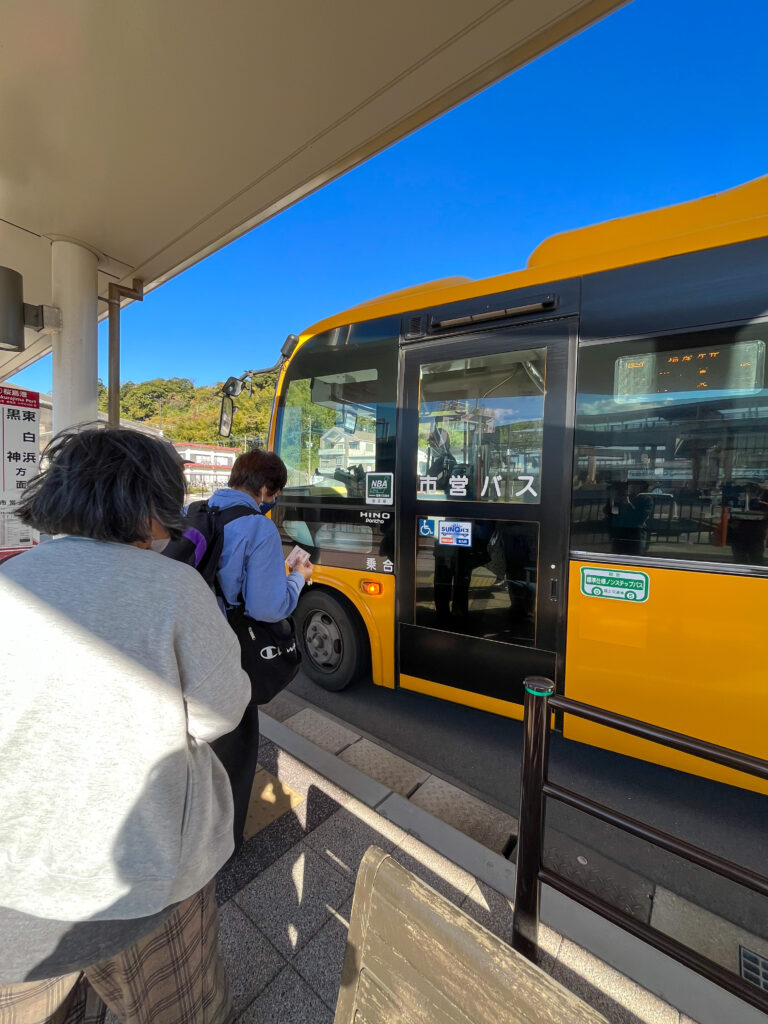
[{"x": 663, "y": 101}]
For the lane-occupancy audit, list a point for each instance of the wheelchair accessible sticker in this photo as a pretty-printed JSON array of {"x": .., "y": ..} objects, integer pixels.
[
  {"x": 616, "y": 585},
  {"x": 426, "y": 527},
  {"x": 458, "y": 534}
]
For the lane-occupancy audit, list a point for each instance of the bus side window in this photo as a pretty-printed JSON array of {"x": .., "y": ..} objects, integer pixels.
[{"x": 671, "y": 454}]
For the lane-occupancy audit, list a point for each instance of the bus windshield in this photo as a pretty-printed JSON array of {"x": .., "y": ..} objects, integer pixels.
[{"x": 336, "y": 419}]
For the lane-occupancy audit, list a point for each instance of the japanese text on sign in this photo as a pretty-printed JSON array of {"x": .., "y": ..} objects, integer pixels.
[
  {"x": 20, "y": 441},
  {"x": 617, "y": 585},
  {"x": 456, "y": 534},
  {"x": 492, "y": 487},
  {"x": 379, "y": 488}
]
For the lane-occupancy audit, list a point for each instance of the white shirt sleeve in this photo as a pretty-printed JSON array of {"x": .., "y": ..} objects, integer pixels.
[{"x": 215, "y": 687}]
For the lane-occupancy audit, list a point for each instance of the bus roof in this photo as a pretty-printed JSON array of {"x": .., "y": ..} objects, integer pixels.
[{"x": 732, "y": 216}]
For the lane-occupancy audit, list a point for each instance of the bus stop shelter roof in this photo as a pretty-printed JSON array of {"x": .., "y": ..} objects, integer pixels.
[{"x": 155, "y": 133}]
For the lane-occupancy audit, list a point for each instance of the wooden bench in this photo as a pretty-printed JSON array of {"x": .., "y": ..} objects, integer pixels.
[{"x": 412, "y": 957}]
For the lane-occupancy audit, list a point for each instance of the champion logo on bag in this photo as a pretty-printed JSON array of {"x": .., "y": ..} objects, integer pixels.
[{"x": 268, "y": 652}]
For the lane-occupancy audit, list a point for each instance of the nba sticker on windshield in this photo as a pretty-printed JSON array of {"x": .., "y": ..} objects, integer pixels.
[
  {"x": 378, "y": 488},
  {"x": 457, "y": 534},
  {"x": 615, "y": 584}
]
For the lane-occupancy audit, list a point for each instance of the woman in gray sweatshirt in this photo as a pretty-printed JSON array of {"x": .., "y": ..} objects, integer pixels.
[{"x": 116, "y": 673}]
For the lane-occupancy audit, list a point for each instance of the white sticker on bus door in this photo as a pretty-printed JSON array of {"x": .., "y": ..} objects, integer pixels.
[
  {"x": 454, "y": 533},
  {"x": 616, "y": 584}
]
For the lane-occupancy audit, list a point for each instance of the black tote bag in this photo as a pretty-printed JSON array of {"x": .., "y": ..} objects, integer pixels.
[{"x": 268, "y": 653}]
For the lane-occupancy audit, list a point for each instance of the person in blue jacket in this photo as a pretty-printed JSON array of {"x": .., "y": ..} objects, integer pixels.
[
  {"x": 252, "y": 572},
  {"x": 252, "y": 564}
]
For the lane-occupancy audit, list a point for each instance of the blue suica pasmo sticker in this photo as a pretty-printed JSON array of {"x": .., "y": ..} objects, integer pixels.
[{"x": 456, "y": 533}]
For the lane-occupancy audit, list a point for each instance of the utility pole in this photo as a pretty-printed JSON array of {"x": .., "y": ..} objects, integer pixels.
[
  {"x": 255, "y": 440},
  {"x": 158, "y": 413},
  {"x": 309, "y": 451}
]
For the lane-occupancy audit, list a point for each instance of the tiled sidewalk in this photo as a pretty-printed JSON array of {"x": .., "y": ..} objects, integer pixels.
[
  {"x": 729, "y": 922},
  {"x": 286, "y": 900}
]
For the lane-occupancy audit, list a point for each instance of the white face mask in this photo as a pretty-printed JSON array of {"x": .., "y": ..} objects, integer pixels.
[{"x": 161, "y": 544}]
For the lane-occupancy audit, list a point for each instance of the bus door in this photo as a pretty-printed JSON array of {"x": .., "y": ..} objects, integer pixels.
[{"x": 485, "y": 463}]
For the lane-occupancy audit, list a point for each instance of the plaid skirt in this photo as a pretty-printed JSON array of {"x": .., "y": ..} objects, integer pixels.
[{"x": 172, "y": 976}]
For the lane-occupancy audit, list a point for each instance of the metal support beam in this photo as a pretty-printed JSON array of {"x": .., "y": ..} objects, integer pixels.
[{"x": 116, "y": 293}]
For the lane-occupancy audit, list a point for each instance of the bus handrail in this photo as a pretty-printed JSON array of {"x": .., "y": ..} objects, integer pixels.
[{"x": 535, "y": 788}]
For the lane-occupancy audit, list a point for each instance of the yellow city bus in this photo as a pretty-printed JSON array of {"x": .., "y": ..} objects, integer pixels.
[{"x": 560, "y": 471}]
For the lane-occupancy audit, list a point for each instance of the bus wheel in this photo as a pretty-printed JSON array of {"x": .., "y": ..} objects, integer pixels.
[{"x": 332, "y": 639}]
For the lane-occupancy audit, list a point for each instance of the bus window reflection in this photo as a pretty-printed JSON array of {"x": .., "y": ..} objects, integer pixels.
[{"x": 486, "y": 590}]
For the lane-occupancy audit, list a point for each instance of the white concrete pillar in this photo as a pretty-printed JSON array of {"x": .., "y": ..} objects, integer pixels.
[{"x": 74, "y": 285}]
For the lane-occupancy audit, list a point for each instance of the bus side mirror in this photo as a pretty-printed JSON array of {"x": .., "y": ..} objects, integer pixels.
[
  {"x": 232, "y": 386},
  {"x": 226, "y": 415}
]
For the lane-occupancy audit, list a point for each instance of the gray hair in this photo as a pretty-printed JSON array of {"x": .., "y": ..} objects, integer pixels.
[{"x": 106, "y": 483}]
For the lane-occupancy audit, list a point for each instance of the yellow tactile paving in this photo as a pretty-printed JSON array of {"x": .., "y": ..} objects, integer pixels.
[{"x": 270, "y": 799}]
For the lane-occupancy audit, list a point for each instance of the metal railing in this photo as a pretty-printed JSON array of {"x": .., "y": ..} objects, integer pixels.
[{"x": 536, "y": 787}]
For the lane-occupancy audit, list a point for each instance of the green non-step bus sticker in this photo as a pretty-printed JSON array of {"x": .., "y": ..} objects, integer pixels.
[
  {"x": 616, "y": 584},
  {"x": 379, "y": 488}
]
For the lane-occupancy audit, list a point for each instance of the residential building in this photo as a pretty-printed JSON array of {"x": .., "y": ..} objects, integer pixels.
[
  {"x": 339, "y": 450},
  {"x": 207, "y": 465}
]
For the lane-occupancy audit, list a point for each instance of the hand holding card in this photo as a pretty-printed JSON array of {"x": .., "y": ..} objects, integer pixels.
[
  {"x": 297, "y": 556},
  {"x": 298, "y": 560}
]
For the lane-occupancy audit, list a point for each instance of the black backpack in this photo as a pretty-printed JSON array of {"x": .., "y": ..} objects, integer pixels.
[
  {"x": 269, "y": 652},
  {"x": 203, "y": 538}
]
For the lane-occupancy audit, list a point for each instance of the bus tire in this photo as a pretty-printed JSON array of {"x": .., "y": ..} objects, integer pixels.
[{"x": 332, "y": 640}]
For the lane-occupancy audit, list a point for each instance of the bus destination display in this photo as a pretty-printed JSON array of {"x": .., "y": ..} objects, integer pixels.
[{"x": 737, "y": 368}]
